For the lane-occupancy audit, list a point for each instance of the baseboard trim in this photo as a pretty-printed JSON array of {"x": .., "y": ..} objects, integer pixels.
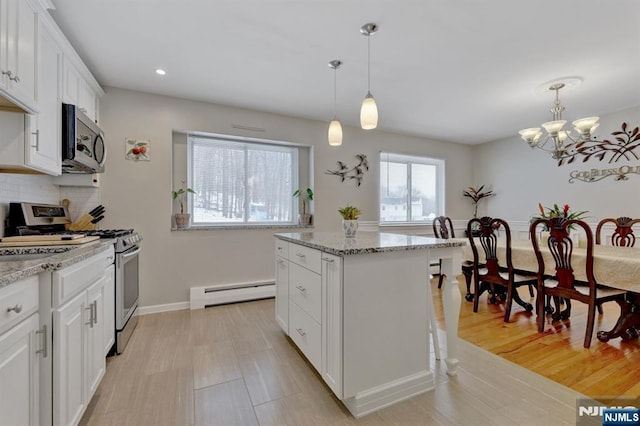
[
  {"x": 388, "y": 394},
  {"x": 168, "y": 307}
]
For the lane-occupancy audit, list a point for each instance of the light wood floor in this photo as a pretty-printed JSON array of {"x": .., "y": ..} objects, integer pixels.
[
  {"x": 232, "y": 365},
  {"x": 605, "y": 371}
]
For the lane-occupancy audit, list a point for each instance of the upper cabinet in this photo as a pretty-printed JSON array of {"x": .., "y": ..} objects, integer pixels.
[
  {"x": 18, "y": 53},
  {"x": 78, "y": 92}
]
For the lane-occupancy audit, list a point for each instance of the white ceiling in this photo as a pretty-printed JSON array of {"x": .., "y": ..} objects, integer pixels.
[{"x": 462, "y": 71}]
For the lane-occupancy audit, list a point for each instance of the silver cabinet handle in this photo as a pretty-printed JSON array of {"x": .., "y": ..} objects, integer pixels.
[
  {"x": 37, "y": 134},
  {"x": 90, "y": 309},
  {"x": 328, "y": 260},
  {"x": 8, "y": 73},
  {"x": 301, "y": 332},
  {"x": 83, "y": 110},
  {"x": 15, "y": 78},
  {"x": 301, "y": 289},
  {"x": 17, "y": 309},
  {"x": 280, "y": 261},
  {"x": 301, "y": 255},
  {"x": 94, "y": 306},
  {"x": 279, "y": 248},
  {"x": 44, "y": 350}
]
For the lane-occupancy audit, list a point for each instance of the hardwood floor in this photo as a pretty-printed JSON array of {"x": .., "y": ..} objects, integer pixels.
[
  {"x": 607, "y": 371},
  {"x": 232, "y": 365}
]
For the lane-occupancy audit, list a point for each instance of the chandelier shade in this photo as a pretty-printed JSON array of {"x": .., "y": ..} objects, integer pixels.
[{"x": 554, "y": 142}]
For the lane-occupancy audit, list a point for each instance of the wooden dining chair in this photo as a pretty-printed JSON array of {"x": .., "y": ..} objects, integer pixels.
[
  {"x": 443, "y": 228},
  {"x": 493, "y": 273},
  {"x": 562, "y": 283},
  {"x": 623, "y": 234}
]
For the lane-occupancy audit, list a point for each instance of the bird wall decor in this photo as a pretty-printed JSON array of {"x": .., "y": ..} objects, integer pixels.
[{"x": 355, "y": 173}]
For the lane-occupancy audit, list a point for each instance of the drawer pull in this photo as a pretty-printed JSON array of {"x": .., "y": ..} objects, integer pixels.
[
  {"x": 279, "y": 248},
  {"x": 90, "y": 309},
  {"x": 301, "y": 255},
  {"x": 43, "y": 351},
  {"x": 301, "y": 332},
  {"x": 301, "y": 289},
  {"x": 280, "y": 261},
  {"x": 17, "y": 309},
  {"x": 328, "y": 260}
]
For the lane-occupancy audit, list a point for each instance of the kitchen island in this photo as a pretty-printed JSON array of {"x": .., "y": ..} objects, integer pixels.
[{"x": 358, "y": 309}]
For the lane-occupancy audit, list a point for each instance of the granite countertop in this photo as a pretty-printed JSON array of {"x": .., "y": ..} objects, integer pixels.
[
  {"x": 61, "y": 257},
  {"x": 366, "y": 242}
]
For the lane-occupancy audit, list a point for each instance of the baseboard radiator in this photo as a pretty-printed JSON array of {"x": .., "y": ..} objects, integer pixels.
[{"x": 201, "y": 297}]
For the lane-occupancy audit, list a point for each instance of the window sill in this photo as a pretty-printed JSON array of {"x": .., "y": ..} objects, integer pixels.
[
  {"x": 404, "y": 225},
  {"x": 238, "y": 227}
]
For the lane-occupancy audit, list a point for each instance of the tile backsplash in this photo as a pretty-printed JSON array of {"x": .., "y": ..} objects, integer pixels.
[{"x": 40, "y": 189}]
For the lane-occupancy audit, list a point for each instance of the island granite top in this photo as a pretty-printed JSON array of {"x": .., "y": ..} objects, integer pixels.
[
  {"x": 61, "y": 257},
  {"x": 366, "y": 242}
]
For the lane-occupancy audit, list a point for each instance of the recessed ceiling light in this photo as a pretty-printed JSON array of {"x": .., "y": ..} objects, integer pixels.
[{"x": 160, "y": 71}]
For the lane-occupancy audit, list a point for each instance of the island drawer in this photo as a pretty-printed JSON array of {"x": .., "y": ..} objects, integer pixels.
[
  {"x": 282, "y": 248},
  {"x": 17, "y": 301},
  {"x": 306, "y": 334},
  {"x": 305, "y": 256},
  {"x": 305, "y": 289}
]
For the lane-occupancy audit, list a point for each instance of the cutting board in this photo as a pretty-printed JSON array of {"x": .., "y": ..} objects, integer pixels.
[
  {"x": 21, "y": 238},
  {"x": 31, "y": 243}
]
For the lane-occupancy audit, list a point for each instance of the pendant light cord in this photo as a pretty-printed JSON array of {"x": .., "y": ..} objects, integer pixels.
[
  {"x": 335, "y": 90},
  {"x": 369, "y": 63}
]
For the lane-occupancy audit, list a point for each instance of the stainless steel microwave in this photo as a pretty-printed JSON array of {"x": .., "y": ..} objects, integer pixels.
[{"x": 83, "y": 148}]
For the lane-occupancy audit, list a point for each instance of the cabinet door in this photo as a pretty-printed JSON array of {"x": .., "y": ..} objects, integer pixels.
[
  {"x": 69, "y": 347},
  {"x": 332, "y": 322},
  {"x": 94, "y": 359},
  {"x": 19, "y": 47},
  {"x": 109, "y": 309},
  {"x": 87, "y": 100},
  {"x": 44, "y": 150},
  {"x": 282, "y": 293},
  {"x": 19, "y": 364}
]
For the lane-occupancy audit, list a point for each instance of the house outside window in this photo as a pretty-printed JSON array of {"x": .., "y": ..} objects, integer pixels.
[
  {"x": 239, "y": 181},
  {"x": 411, "y": 189}
]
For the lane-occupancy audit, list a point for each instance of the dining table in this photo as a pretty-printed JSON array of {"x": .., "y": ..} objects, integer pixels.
[{"x": 616, "y": 267}]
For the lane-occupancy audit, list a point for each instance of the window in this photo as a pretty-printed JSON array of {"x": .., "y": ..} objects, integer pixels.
[
  {"x": 411, "y": 188},
  {"x": 241, "y": 181}
]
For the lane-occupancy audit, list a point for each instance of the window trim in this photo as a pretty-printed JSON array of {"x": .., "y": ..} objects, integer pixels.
[
  {"x": 295, "y": 177},
  {"x": 408, "y": 159}
]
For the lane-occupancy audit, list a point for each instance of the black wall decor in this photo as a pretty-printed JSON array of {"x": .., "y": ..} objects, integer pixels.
[
  {"x": 355, "y": 173},
  {"x": 622, "y": 147}
]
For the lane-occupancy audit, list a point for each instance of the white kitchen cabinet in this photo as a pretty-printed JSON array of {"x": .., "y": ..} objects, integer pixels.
[
  {"x": 331, "y": 369},
  {"x": 78, "y": 300},
  {"x": 44, "y": 151},
  {"x": 282, "y": 285},
  {"x": 18, "y": 52},
  {"x": 21, "y": 347},
  {"x": 109, "y": 310},
  {"x": 78, "y": 92}
]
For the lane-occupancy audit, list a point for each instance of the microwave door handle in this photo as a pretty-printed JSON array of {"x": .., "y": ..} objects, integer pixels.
[{"x": 133, "y": 253}]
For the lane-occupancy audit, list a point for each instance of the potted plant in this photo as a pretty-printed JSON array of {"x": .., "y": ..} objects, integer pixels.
[
  {"x": 476, "y": 195},
  {"x": 350, "y": 216},
  {"x": 182, "y": 218},
  {"x": 304, "y": 218}
]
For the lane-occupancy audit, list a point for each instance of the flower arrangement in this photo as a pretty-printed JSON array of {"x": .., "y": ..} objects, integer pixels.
[
  {"x": 476, "y": 195},
  {"x": 555, "y": 211}
]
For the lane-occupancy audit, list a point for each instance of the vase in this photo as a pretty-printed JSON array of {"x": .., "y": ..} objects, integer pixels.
[
  {"x": 304, "y": 219},
  {"x": 349, "y": 227},
  {"x": 182, "y": 220}
]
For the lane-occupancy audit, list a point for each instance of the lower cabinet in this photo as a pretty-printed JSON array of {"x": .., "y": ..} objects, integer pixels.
[
  {"x": 309, "y": 296},
  {"x": 22, "y": 346}
]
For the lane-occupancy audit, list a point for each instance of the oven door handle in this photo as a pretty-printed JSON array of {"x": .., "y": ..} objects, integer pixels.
[{"x": 133, "y": 253}]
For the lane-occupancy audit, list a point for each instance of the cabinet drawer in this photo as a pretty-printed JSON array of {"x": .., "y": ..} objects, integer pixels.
[
  {"x": 305, "y": 256},
  {"x": 18, "y": 301},
  {"x": 282, "y": 248},
  {"x": 305, "y": 289},
  {"x": 69, "y": 281},
  {"x": 306, "y": 334}
]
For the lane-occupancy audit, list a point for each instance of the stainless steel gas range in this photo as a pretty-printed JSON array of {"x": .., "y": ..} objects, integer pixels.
[{"x": 30, "y": 218}]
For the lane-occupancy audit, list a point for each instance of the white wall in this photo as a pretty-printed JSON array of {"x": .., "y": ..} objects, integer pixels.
[
  {"x": 522, "y": 177},
  {"x": 138, "y": 194}
]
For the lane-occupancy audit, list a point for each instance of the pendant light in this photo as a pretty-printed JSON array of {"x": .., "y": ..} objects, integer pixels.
[
  {"x": 369, "y": 110},
  {"x": 335, "y": 128}
]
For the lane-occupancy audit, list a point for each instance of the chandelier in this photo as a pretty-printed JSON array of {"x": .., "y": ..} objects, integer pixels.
[{"x": 557, "y": 142}]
